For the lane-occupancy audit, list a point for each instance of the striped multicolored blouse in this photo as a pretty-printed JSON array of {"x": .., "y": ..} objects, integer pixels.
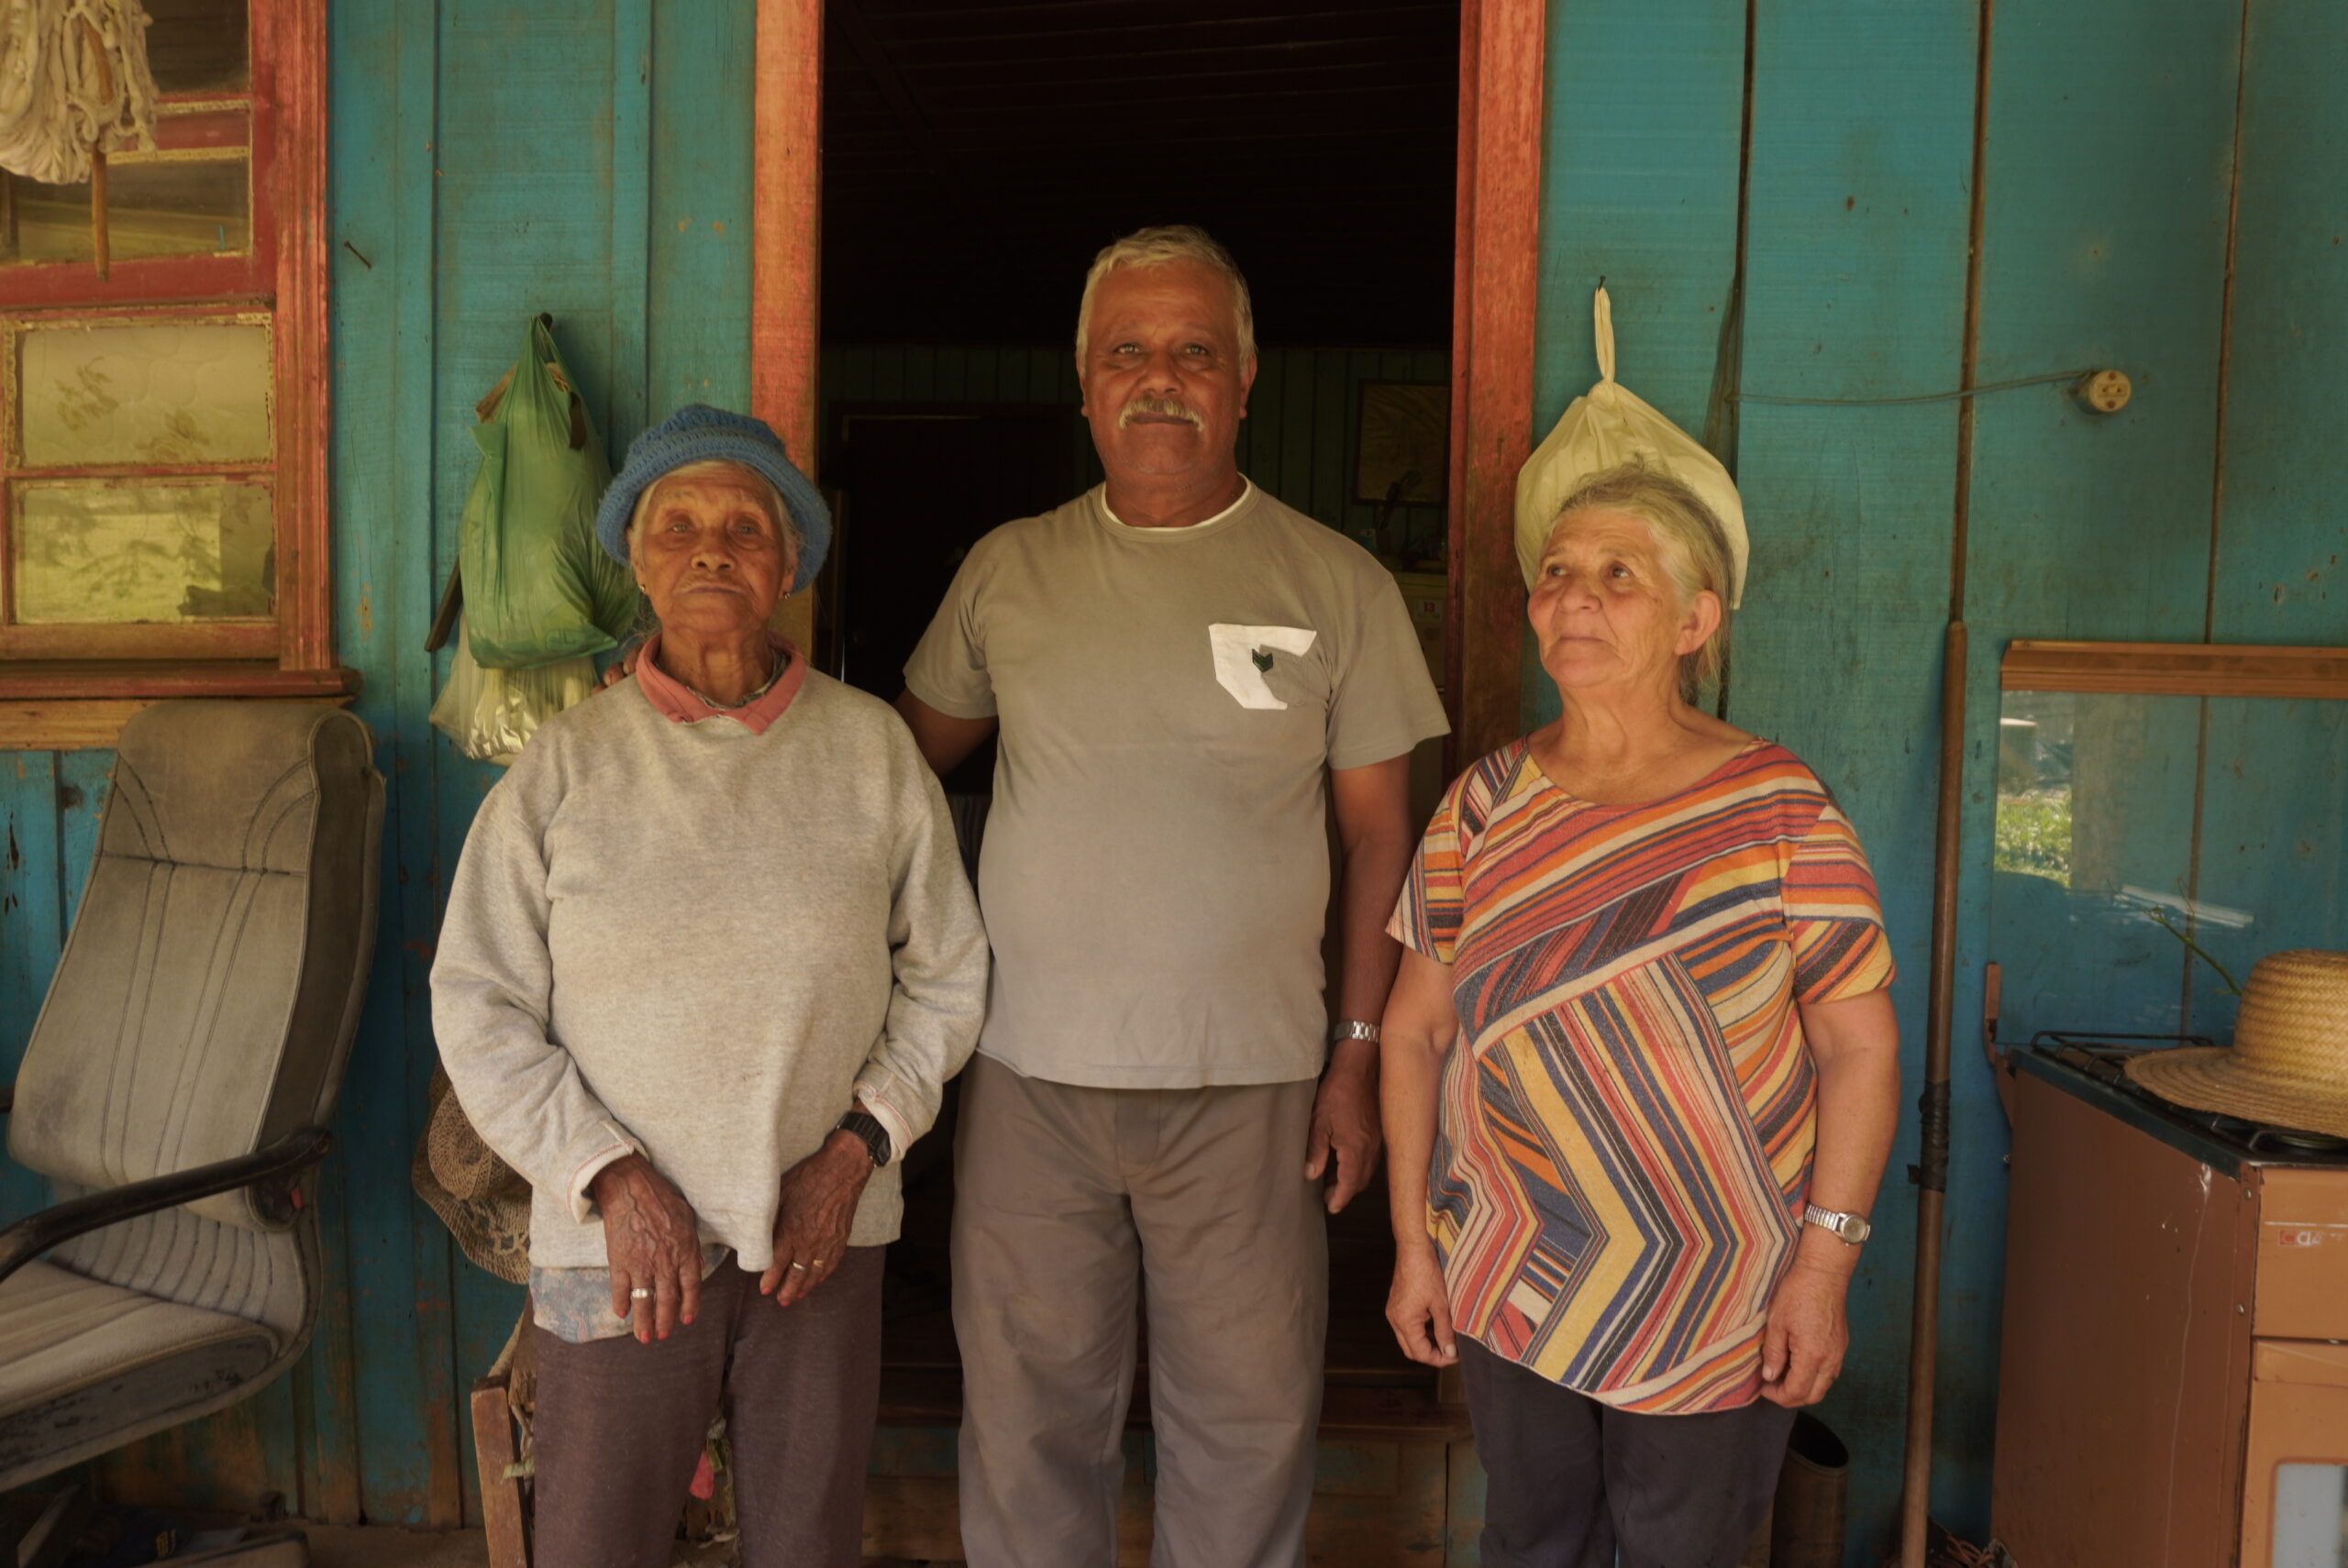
[{"x": 1626, "y": 1125}]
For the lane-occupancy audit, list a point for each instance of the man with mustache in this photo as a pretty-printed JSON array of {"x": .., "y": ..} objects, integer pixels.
[{"x": 1185, "y": 676}]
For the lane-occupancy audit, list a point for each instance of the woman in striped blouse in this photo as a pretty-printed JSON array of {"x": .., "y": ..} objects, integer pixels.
[{"x": 1641, "y": 1071}]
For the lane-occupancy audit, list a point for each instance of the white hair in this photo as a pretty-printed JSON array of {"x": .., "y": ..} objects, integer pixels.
[
  {"x": 785, "y": 525},
  {"x": 1162, "y": 246},
  {"x": 1689, "y": 539}
]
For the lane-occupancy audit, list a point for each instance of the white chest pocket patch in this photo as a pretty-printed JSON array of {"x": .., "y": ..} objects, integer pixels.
[{"x": 1245, "y": 654}]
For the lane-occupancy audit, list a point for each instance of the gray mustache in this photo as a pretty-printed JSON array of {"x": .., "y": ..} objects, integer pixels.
[{"x": 1164, "y": 407}]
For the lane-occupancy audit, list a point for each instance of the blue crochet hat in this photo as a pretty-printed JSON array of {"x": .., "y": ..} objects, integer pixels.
[{"x": 700, "y": 433}]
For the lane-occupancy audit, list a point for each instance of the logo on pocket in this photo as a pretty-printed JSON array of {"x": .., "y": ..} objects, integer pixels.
[{"x": 1245, "y": 654}]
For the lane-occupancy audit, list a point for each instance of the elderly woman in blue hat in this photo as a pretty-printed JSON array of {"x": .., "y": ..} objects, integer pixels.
[{"x": 708, "y": 960}]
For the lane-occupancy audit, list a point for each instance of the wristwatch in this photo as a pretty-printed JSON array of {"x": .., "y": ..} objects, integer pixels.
[
  {"x": 1352, "y": 1029},
  {"x": 866, "y": 1126},
  {"x": 1851, "y": 1229}
]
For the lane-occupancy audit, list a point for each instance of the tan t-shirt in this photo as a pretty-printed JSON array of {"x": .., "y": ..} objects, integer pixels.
[{"x": 1155, "y": 874}]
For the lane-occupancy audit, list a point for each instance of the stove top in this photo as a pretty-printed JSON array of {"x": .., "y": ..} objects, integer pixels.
[{"x": 2101, "y": 1059}]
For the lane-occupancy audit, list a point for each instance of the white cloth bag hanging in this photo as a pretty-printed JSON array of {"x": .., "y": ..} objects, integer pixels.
[
  {"x": 72, "y": 76},
  {"x": 1605, "y": 427}
]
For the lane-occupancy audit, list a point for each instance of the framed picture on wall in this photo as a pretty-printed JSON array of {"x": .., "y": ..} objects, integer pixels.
[{"x": 1403, "y": 455}]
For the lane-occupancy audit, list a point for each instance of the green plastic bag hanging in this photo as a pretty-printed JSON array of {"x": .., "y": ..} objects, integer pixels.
[{"x": 538, "y": 586}]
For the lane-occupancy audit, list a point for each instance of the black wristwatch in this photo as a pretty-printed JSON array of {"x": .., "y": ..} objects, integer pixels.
[{"x": 866, "y": 1126}]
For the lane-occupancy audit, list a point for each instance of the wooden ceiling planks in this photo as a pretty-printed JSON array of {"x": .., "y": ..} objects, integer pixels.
[{"x": 1318, "y": 141}]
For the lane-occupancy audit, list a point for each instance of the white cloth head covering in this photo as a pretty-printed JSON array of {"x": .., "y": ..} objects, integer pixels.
[
  {"x": 72, "y": 76},
  {"x": 1605, "y": 427}
]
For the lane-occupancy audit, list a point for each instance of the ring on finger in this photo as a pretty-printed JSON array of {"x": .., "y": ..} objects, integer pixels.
[
  {"x": 801, "y": 1267},
  {"x": 641, "y": 1293}
]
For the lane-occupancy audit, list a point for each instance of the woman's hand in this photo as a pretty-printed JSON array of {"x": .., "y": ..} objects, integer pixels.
[
  {"x": 1801, "y": 1349},
  {"x": 811, "y": 1225},
  {"x": 621, "y": 667},
  {"x": 652, "y": 1241},
  {"x": 1419, "y": 1310}
]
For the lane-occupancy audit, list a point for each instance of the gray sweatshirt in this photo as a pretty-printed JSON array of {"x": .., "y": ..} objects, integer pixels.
[{"x": 702, "y": 945}]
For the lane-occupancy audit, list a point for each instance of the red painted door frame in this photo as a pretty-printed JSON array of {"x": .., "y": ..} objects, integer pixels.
[
  {"x": 1495, "y": 283},
  {"x": 1495, "y": 289}
]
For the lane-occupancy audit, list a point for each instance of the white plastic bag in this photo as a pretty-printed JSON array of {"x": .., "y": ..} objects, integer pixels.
[
  {"x": 72, "y": 76},
  {"x": 492, "y": 714},
  {"x": 1607, "y": 426}
]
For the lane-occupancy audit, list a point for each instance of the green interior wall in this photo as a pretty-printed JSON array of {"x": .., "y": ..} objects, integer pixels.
[
  {"x": 1299, "y": 440},
  {"x": 2163, "y": 193}
]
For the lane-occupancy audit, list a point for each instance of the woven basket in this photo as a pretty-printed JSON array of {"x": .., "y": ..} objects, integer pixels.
[
  {"x": 2288, "y": 1064},
  {"x": 484, "y": 1202}
]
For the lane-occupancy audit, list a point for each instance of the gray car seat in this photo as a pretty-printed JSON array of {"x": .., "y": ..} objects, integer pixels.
[{"x": 178, "y": 1083}]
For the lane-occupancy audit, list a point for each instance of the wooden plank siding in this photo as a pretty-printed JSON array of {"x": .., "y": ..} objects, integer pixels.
[
  {"x": 1640, "y": 176},
  {"x": 2273, "y": 834},
  {"x": 487, "y": 161},
  {"x": 2106, "y": 242},
  {"x": 2160, "y": 195},
  {"x": 1862, "y": 141}
]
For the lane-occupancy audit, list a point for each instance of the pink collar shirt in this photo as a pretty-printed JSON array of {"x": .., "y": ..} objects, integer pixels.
[{"x": 678, "y": 703}]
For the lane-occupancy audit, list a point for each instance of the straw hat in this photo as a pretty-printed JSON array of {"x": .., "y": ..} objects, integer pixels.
[
  {"x": 2288, "y": 1064},
  {"x": 484, "y": 1202}
]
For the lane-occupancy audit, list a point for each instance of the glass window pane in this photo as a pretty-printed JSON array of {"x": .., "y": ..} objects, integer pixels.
[
  {"x": 197, "y": 46},
  {"x": 164, "y": 394},
  {"x": 156, "y": 205},
  {"x": 105, "y": 551},
  {"x": 2310, "y": 1516}
]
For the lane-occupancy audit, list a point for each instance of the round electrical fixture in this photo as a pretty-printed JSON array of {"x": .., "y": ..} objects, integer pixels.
[{"x": 2104, "y": 391}]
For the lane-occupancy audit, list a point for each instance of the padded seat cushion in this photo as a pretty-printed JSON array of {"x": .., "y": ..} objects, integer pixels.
[
  {"x": 62, "y": 1334},
  {"x": 205, "y": 1002}
]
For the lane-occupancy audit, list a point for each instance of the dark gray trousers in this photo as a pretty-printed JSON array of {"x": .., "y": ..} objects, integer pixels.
[
  {"x": 1574, "y": 1482},
  {"x": 1075, "y": 1208},
  {"x": 619, "y": 1426}
]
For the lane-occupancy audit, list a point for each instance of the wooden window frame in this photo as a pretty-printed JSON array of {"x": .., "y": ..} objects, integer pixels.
[
  {"x": 53, "y": 703},
  {"x": 2174, "y": 669}
]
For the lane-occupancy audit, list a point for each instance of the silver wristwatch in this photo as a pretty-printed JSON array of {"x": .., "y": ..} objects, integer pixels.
[
  {"x": 1352, "y": 1029},
  {"x": 1851, "y": 1228}
]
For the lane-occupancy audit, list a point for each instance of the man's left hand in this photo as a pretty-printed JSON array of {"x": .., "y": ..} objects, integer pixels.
[
  {"x": 1344, "y": 1123},
  {"x": 811, "y": 1225}
]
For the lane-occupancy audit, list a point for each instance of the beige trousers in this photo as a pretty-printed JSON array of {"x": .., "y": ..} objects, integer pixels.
[{"x": 1073, "y": 1208}]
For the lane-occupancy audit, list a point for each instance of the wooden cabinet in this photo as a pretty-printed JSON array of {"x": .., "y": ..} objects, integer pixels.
[{"x": 2167, "y": 1355}]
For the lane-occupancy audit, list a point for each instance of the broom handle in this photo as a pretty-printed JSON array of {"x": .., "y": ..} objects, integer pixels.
[
  {"x": 1931, "y": 1173},
  {"x": 98, "y": 209},
  {"x": 98, "y": 236}
]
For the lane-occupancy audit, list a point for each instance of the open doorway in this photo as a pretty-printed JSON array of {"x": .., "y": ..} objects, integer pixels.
[
  {"x": 952, "y": 167},
  {"x": 976, "y": 154}
]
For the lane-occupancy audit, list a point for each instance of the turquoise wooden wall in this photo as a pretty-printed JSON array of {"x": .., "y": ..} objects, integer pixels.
[
  {"x": 489, "y": 158},
  {"x": 2163, "y": 195}
]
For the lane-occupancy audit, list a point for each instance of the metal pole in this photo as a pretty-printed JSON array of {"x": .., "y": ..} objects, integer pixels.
[{"x": 1930, "y": 1171}]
